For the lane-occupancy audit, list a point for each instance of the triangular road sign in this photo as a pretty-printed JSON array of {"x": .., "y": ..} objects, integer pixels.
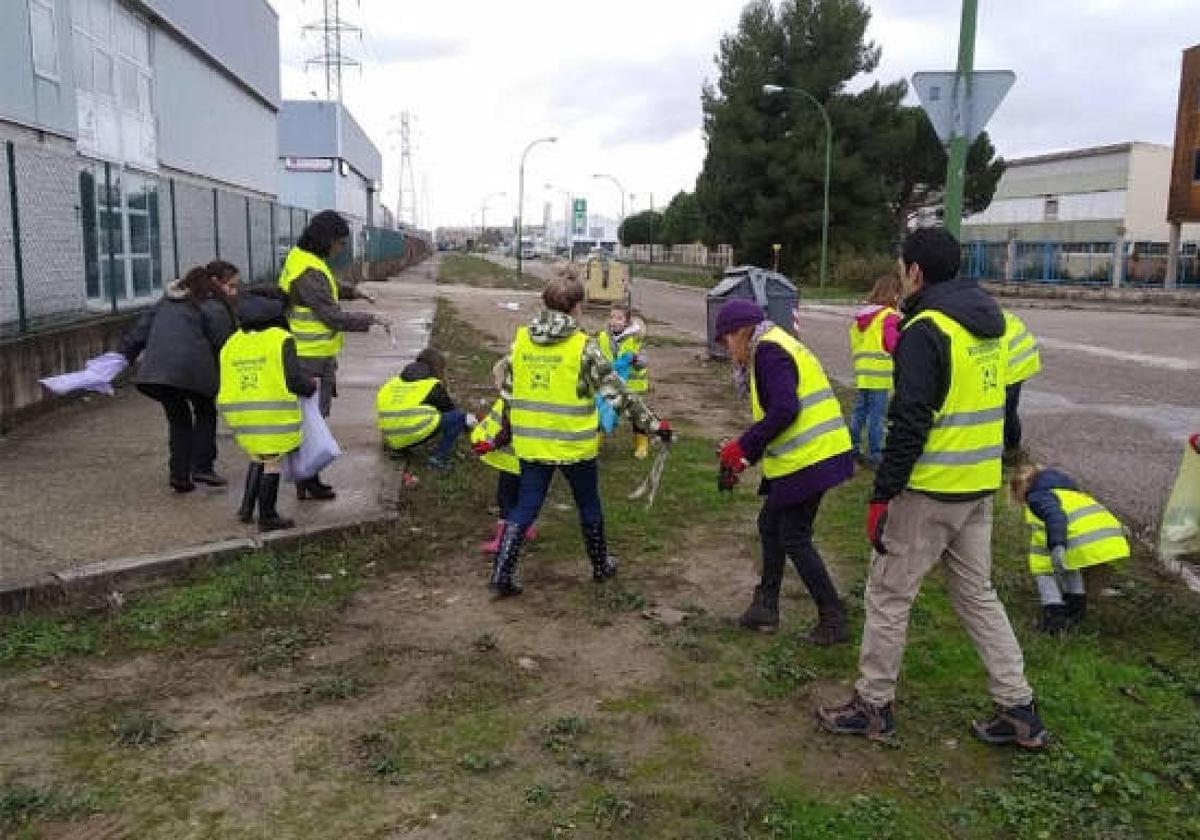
[{"x": 961, "y": 110}]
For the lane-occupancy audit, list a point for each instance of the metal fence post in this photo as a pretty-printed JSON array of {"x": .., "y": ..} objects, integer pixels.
[
  {"x": 112, "y": 248},
  {"x": 249, "y": 244},
  {"x": 174, "y": 231},
  {"x": 15, "y": 213},
  {"x": 274, "y": 243},
  {"x": 216, "y": 226}
]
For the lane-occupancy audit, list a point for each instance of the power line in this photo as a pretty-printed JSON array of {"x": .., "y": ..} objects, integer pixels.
[
  {"x": 407, "y": 196},
  {"x": 332, "y": 58}
]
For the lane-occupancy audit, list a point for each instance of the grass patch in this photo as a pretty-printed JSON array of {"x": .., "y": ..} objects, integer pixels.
[
  {"x": 21, "y": 805},
  {"x": 468, "y": 270},
  {"x": 141, "y": 730}
]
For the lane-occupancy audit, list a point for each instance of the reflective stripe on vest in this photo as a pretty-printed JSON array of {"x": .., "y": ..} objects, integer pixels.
[
  {"x": 962, "y": 454},
  {"x": 551, "y": 422},
  {"x": 1024, "y": 357},
  {"x": 639, "y": 378},
  {"x": 873, "y": 365},
  {"x": 819, "y": 431},
  {"x": 503, "y": 459},
  {"x": 254, "y": 398},
  {"x": 400, "y": 415},
  {"x": 1094, "y": 535},
  {"x": 313, "y": 338}
]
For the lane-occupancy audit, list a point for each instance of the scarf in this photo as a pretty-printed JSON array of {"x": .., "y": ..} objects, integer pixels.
[{"x": 742, "y": 373}]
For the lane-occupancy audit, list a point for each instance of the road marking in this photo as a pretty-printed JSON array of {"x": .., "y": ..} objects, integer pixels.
[{"x": 1146, "y": 359}]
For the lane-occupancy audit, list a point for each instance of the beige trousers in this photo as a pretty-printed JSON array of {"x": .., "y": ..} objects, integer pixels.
[{"x": 921, "y": 533}]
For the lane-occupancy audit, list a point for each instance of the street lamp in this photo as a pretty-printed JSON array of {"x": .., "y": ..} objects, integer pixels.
[
  {"x": 567, "y": 198},
  {"x": 521, "y": 195},
  {"x": 483, "y": 216},
  {"x": 620, "y": 189},
  {"x": 773, "y": 89}
]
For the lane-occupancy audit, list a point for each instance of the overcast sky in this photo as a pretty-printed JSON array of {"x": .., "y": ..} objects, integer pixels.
[{"x": 619, "y": 84}]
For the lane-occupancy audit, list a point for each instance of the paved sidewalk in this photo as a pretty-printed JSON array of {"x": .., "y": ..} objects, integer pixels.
[{"x": 89, "y": 483}]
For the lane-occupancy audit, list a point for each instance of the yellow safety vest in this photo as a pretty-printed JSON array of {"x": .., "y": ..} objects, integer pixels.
[
  {"x": 551, "y": 421},
  {"x": 1094, "y": 535},
  {"x": 819, "y": 431},
  {"x": 254, "y": 398},
  {"x": 313, "y": 338},
  {"x": 872, "y": 364},
  {"x": 963, "y": 452},
  {"x": 1024, "y": 356},
  {"x": 504, "y": 458},
  {"x": 400, "y": 414},
  {"x": 639, "y": 379}
]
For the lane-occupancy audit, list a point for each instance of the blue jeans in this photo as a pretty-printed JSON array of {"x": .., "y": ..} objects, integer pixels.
[
  {"x": 584, "y": 478},
  {"x": 870, "y": 406},
  {"x": 451, "y": 425}
]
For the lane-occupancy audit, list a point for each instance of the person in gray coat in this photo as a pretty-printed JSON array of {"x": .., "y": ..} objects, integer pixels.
[{"x": 178, "y": 341}]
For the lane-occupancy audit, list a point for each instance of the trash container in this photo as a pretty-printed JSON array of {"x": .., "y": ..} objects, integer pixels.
[{"x": 769, "y": 289}]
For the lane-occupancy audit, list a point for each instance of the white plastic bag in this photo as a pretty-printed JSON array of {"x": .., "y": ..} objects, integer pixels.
[
  {"x": 1180, "y": 535},
  {"x": 97, "y": 375},
  {"x": 317, "y": 447}
]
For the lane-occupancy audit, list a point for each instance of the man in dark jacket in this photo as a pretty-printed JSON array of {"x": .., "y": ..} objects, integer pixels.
[{"x": 932, "y": 501}]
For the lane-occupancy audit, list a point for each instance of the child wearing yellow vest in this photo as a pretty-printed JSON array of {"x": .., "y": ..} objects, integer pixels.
[
  {"x": 491, "y": 440},
  {"x": 873, "y": 337},
  {"x": 261, "y": 382},
  {"x": 412, "y": 407},
  {"x": 621, "y": 343},
  {"x": 1069, "y": 531}
]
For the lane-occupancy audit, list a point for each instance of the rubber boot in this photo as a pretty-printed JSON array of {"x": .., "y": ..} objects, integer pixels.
[
  {"x": 254, "y": 474},
  {"x": 603, "y": 565},
  {"x": 268, "y": 494},
  {"x": 1054, "y": 619},
  {"x": 641, "y": 446},
  {"x": 1076, "y": 605},
  {"x": 531, "y": 533},
  {"x": 504, "y": 582},
  {"x": 763, "y": 613},
  {"x": 312, "y": 488},
  {"x": 831, "y": 626},
  {"x": 493, "y": 545}
]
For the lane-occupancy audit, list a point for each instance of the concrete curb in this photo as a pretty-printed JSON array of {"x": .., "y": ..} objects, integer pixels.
[
  {"x": 1150, "y": 301},
  {"x": 96, "y": 579}
]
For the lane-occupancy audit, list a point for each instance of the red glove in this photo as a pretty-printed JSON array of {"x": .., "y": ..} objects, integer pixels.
[
  {"x": 877, "y": 513},
  {"x": 664, "y": 431},
  {"x": 483, "y": 447},
  {"x": 1194, "y": 440},
  {"x": 733, "y": 458}
]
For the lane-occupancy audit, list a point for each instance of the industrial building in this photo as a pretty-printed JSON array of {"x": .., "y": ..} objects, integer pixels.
[{"x": 1068, "y": 215}]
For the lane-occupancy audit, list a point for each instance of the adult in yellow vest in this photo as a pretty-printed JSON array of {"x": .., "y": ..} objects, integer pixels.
[
  {"x": 414, "y": 406},
  {"x": 315, "y": 315},
  {"x": 1024, "y": 361},
  {"x": 554, "y": 372},
  {"x": 622, "y": 344},
  {"x": 800, "y": 438},
  {"x": 261, "y": 380},
  {"x": 1068, "y": 532},
  {"x": 932, "y": 501},
  {"x": 873, "y": 337}
]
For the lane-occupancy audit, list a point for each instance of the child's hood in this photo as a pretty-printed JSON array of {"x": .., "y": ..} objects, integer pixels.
[
  {"x": 550, "y": 327},
  {"x": 1050, "y": 480},
  {"x": 864, "y": 316}
]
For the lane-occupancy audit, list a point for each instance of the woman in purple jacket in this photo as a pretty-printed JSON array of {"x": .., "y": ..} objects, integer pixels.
[{"x": 785, "y": 523}]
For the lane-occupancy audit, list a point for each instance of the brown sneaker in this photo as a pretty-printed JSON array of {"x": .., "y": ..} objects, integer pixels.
[
  {"x": 1020, "y": 725},
  {"x": 858, "y": 717}
]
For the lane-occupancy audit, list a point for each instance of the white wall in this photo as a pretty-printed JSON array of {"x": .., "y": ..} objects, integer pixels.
[
  {"x": 210, "y": 126},
  {"x": 1071, "y": 208}
]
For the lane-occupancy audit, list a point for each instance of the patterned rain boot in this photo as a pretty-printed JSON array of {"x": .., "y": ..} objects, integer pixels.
[{"x": 604, "y": 566}]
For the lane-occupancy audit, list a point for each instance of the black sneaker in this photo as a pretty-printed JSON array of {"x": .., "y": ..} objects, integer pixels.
[
  {"x": 1054, "y": 619},
  {"x": 858, "y": 717},
  {"x": 209, "y": 478},
  {"x": 1018, "y": 725}
]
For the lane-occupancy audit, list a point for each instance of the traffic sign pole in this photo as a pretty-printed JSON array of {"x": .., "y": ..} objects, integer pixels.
[{"x": 957, "y": 164}]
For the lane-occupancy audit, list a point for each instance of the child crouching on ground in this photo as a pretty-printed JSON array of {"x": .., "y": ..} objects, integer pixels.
[
  {"x": 491, "y": 440},
  {"x": 1070, "y": 531},
  {"x": 415, "y": 405},
  {"x": 873, "y": 337},
  {"x": 621, "y": 343}
]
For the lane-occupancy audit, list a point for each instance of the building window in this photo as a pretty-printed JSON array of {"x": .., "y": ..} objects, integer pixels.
[
  {"x": 1051, "y": 209},
  {"x": 43, "y": 32},
  {"x": 121, "y": 236}
]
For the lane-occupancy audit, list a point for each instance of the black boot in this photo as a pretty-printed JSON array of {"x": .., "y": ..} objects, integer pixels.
[
  {"x": 312, "y": 488},
  {"x": 831, "y": 626},
  {"x": 603, "y": 565},
  {"x": 250, "y": 494},
  {"x": 503, "y": 581},
  {"x": 1054, "y": 619},
  {"x": 763, "y": 613},
  {"x": 268, "y": 494},
  {"x": 1076, "y": 605}
]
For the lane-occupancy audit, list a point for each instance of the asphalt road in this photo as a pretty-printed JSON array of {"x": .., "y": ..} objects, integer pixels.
[{"x": 1118, "y": 394}]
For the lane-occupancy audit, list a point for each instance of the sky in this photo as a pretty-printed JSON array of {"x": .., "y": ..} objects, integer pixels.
[{"x": 618, "y": 83}]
